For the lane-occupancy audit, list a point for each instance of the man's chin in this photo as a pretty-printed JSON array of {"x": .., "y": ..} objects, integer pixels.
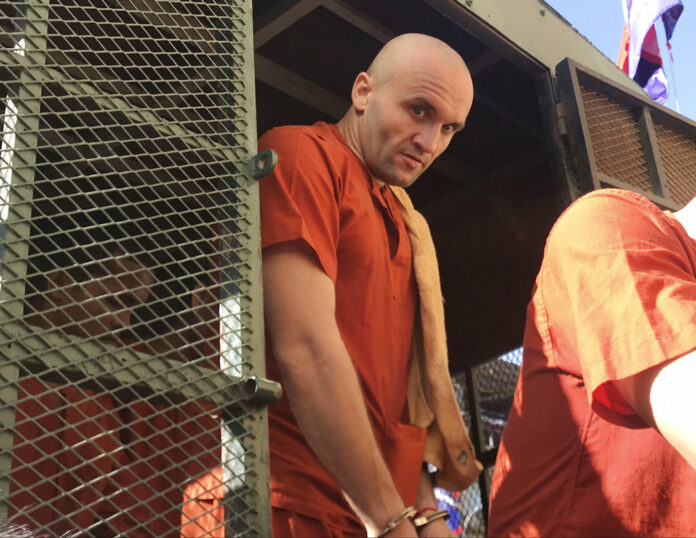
[
  {"x": 400, "y": 180},
  {"x": 403, "y": 182}
]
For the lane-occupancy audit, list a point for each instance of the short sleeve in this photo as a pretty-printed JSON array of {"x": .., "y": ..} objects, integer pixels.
[
  {"x": 618, "y": 284},
  {"x": 299, "y": 199}
]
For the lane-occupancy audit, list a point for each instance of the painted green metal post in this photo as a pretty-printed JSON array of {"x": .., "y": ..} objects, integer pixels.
[{"x": 20, "y": 136}]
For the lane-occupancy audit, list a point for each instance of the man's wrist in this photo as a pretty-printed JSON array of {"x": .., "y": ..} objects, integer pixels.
[
  {"x": 427, "y": 515},
  {"x": 406, "y": 514}
]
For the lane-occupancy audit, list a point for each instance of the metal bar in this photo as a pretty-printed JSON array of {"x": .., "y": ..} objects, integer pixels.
[
  {"x": 578, "y": 130},
  {"x": 665, "y": 203},
  {"x": 555, "y": 123},
  {"x": 252, "y": 333},
  {"x": 488, "y": 184},
  {"x": 487, "y": 458},
  {"x": 139, "y": 116},
  {"x": 15, "y": 205},
  {"x": 278, "y": 23},
  {"x": 58, "y": 357},
  {"x": 474, "y": 401},
  {"x": 658, "y": 178},
  {"x": 483, "y": 61},
  {"x": 499, "y": 108},
  {"x": 298, "y": 87},
  {"x": 241, "y": 319},
  {"x": 358, "y": 19}
]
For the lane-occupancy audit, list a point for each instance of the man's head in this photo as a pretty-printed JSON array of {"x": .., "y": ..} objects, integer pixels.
[
  {"x": 96, "y": 299},
  {"x": 413, "y": 98}
]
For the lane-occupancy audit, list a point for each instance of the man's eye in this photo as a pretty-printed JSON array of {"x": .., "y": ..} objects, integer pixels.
[{"x": 417, "y": 110}]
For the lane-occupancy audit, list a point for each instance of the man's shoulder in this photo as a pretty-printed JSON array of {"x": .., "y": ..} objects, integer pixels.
[
  {"x": 300, "y": 137},
  {"x": 608, "y": 213},
  {"x": 608, "y": 201}
]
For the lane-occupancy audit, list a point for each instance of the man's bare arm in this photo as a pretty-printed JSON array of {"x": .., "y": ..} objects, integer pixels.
[
  {"x": 322, "y": 385},
  {"x": 426, "y": 499},
  {"x": 665, "y": 398}
]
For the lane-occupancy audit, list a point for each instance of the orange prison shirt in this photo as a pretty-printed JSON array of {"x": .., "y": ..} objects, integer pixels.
[
  {"x": 79, "y": 457},
  {"x": 616, "y": 295},
  {"x": 322, "y": 194}
]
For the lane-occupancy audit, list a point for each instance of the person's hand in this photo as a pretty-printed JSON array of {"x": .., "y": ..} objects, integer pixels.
[
  {"x": 436, "y": 529},
  {"x": 405, "y": 529}
]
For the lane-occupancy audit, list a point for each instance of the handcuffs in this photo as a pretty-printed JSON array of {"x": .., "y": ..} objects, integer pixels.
[{"x": 417, "y": 517}]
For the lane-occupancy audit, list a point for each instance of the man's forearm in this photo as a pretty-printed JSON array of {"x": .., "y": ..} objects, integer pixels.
[
  {"x": 674, "y": 407},
  {"x": 322, "y": 385},
  {"x": 427, "y": 505},
  {"x": 663, "y": 397},
  {"x": 327, "y": 401},
  {"x": 426, "y": 495}
]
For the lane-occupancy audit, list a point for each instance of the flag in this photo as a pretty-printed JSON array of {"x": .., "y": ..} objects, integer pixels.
[{"x": 639, "y": 55}]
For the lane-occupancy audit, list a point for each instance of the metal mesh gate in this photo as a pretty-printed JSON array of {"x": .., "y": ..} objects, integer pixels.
[
  {"x": 484, "y": 393},
  {"x": 130, "y": 312}
]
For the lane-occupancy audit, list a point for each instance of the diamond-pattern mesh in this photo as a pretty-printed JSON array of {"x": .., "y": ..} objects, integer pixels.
[
  {"x": 496, "y": 382},
  {"x": 465, "y": 511},
  {"x": 615, "y": 138},
  {"x": 678, "y": 153},
  {"x": 129, "y": 305}
]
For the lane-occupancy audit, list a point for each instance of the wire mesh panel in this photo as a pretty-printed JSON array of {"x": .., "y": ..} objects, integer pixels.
[
  {"x": 130, "y": 315},
  {"x": 615, "y": 136},
  {"x": 494, "y": 383},
  {"x": 678, "y": 150},
  {"x": 623, "y": 139},
  {"x": 465, "y": 511}
]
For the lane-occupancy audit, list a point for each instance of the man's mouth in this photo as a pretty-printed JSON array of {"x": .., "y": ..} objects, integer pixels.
[{"x": 413, "y": 160}]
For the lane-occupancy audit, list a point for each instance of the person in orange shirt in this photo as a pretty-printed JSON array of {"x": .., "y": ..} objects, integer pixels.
[
  {"x": 84, "y": 461},
  {"x": 94, "y": 299},
  {"x": 601, "y": 438},
  {"x": 340, "y": 297}
]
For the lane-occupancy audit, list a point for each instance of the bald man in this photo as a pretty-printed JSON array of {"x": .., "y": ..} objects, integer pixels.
[{"x": 340, "y": 297}]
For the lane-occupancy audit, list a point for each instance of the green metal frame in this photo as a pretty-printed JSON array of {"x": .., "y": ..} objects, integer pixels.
[
  {"x": 25, "y": 94},
  {"x": 240, "y": 391}
]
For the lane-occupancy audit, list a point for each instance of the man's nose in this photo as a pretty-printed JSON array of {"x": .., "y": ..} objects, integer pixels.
[{"x": 427, "y": 139}]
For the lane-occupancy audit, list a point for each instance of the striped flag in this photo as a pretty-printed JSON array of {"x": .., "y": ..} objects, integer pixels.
[{"x": 639, "y": 55}]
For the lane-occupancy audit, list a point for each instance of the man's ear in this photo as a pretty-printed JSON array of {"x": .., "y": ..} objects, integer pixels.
[
  {"x": 56, "y": 283},
  {"x": 362, "y": 89}
]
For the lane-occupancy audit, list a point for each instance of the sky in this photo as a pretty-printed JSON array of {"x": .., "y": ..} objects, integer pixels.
[{"x": 601, "y": 22}]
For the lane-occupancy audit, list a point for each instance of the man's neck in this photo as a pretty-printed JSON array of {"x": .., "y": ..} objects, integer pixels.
[{"x": 348, "y": 127}]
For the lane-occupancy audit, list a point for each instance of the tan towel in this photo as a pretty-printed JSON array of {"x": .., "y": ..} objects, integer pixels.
[{"x": 431, "y": 400}]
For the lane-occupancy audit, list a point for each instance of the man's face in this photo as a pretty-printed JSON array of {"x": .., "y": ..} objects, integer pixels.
[
  {"x": 410, "y": 120},
  {"x": 103, "y": 305}
]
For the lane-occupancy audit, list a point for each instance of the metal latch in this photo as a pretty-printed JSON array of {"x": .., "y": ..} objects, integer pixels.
[
  {"x": 262, "y": 164},
  {"x": 260, "y": 391}
]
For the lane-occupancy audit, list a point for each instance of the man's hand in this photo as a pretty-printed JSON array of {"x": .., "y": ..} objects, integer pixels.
[
  {"x": 405, "y": 529},
  {"x": 436, "y": 529}
]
